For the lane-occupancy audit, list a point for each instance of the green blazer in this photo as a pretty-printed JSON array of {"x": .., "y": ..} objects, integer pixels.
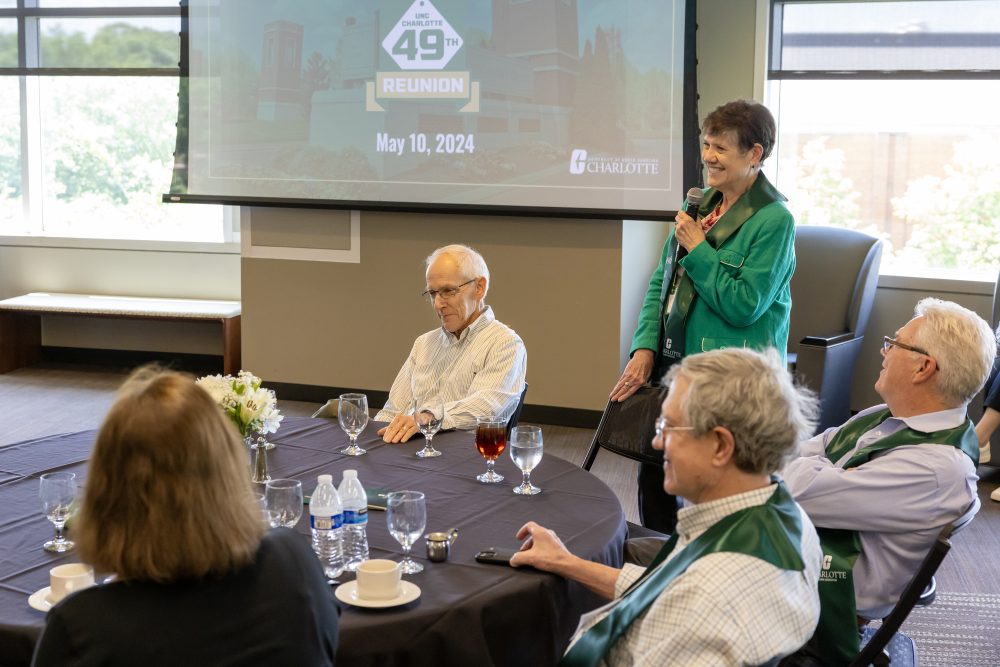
[{"x": 743, "y": 294}]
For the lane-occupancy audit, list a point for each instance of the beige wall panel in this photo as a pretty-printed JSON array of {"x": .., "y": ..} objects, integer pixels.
[
  {"x": 726, "y": 50},
  {"x": 556, "y": 282}
]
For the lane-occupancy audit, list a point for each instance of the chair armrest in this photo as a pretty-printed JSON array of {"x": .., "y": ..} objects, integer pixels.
[{"x": 827, "y": 341}]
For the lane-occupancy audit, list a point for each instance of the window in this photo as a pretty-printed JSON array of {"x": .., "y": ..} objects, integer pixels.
[
  {"x": 887, "y": 123},
  {"x": 88, "y": 106}
]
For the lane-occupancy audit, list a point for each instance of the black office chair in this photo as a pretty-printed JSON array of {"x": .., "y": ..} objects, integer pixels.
[
  {"x": 833, "y": 289},
  {"x": 886, "y": 645},
  {"x": 627, "y": 429},
  {"x": 329, "y": 409},
  {"x": 516, "y": 415}
]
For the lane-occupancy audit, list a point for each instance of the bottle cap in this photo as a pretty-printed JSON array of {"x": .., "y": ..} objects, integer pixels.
[
  {"x": 350, "y": 473},
  {"x": 326, "y": 479}
]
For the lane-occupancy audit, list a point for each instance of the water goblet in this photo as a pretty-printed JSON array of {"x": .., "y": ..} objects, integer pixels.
[
  {"x": 491, "y": 439},
  {"x": 526, "y": 452},
  {"x": 259, "y": 501},
  {"x": 284, "y": 502},
  {"x": 352, "y": 413},
  {"x": 406, "y": 517},
  {"x": 428, "y": 414},
  {"x": 57, "y": 491}
]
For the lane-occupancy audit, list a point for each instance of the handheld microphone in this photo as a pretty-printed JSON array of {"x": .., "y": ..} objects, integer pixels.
[{"x": 694, "y": 197}]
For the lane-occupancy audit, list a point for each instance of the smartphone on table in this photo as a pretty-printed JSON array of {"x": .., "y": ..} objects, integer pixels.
[{"x": 496, "y": 555}]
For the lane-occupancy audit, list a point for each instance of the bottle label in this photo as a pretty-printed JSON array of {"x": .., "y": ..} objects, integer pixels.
[
  {"x": 356, "y": 517},
  {"x": 320, "y": 522}
]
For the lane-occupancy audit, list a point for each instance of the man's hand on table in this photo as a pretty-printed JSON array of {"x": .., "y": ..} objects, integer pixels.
[
  {"x": 400, "y": 429},
  {"x": 541, "y": 549}
]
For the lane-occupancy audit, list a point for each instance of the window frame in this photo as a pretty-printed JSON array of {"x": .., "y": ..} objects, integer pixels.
[
  {"x": 28, "y": 72},
  {"x": 768, "y": 45}
]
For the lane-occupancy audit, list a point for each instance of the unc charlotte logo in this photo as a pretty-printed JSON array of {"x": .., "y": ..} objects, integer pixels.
[
  {"x": 829, "y": 573},
  {"x": 578, "y": 161},
  {"x": 422, "y": 43}
]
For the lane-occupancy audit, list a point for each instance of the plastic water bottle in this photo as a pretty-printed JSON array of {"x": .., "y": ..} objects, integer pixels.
[
  {"x": 326, "y": 518},
  {"x": 355, "y": 540}
]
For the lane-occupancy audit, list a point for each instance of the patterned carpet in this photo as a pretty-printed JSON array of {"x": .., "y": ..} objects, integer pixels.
[{"x": 957, "y": 630}]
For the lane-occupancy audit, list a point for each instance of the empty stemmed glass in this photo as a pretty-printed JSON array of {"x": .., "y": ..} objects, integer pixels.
[
  {"x": 428, "y": 413},
  {"x": 57, "y": 491},
  {"x": 284, "y": 502},
  {"x": 491, "y": 439},
  {"x": 406, "y": 517},
  {"x": 526, "y": 451},
  {"x": 352, "y": 413}
]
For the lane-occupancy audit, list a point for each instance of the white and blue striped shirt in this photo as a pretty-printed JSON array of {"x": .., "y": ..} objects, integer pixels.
[{"x": 477, "y": 374}]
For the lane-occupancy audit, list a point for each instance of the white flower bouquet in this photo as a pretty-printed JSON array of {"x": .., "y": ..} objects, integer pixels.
[{"x": 251, "y": 408}]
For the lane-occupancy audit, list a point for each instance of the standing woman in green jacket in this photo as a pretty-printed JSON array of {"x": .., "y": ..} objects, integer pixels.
[{"x": 723, "y": 279}]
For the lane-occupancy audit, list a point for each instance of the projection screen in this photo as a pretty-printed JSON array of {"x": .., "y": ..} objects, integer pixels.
[{"x": 565, "y": 106}]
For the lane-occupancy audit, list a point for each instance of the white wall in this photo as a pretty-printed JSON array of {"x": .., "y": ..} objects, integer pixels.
[{"x": 26, "y": 269}]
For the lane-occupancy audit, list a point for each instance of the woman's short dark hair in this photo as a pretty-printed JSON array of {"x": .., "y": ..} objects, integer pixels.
[
  {"x": 168, "y": 495},
  {"x": 751, "y": 121}
]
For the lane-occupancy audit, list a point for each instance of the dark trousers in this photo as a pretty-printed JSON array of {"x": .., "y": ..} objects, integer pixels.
[{"x": 657, "y": 508}]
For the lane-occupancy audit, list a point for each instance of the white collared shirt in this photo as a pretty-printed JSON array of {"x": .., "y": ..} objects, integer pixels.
[
  {"x": 898, "y": 501},
  {"x": 479, "y": 373}
]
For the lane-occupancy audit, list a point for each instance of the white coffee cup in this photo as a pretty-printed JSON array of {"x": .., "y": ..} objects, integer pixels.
[
  {"x": 378, "y": 579},
  {"x": 66, "y": 579}
]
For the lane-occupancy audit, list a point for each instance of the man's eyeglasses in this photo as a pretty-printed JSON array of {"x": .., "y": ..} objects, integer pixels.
[
  {"x": 889, "y": 342},
  {"x": 446, "y": 293},
  {"x": 662, "y": 428}
]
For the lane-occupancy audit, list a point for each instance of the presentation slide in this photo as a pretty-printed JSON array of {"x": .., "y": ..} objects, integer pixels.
[{"x": 528, "y": 104}]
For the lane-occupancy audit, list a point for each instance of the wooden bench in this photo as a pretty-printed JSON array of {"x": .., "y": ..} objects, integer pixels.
[{"x": 21, "y": 320}]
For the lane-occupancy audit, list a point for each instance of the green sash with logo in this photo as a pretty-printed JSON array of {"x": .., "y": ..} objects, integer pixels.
[
  {"x": 771, "y": 531},
  {"x": 673, "y": 323},
  {"x": 837, "y": 638}
]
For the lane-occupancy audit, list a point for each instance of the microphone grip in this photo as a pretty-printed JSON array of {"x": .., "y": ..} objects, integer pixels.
[{"x": 692, "y": 210}]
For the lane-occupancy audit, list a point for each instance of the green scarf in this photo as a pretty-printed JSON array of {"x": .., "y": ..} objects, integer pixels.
[
  {"x": 771, "y": 531},
  {"x": 837, "y": 634}
]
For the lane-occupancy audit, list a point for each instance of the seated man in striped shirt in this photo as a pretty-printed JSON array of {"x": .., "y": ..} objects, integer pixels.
[{"x": 474, "y": 362}]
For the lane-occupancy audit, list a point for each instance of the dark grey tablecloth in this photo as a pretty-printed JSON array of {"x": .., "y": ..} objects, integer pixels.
[{"x": 468, "y": 613}]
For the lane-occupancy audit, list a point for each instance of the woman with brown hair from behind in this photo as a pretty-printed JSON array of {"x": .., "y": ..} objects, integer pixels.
[{"x": 168, "y": 508}]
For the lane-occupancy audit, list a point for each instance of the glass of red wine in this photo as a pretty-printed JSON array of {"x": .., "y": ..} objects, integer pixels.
[{"x": 491, "y": 440}]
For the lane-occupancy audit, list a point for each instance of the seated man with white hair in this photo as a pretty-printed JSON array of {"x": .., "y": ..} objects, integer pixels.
[
  {"x": 880, "y": 488},
  {"x": 736, "y": 584},
  {"x": 476, "y": 364}
]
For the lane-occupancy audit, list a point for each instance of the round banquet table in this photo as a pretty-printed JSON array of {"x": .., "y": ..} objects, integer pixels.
[{"x": 468, "y": 613}]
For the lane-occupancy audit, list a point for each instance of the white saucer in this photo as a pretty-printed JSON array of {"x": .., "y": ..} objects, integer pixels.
[
  {"x": 40, "y": 599},
  {"x": 349, "y": 593}
]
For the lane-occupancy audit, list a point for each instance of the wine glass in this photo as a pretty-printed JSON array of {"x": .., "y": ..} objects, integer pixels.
[
  {"x": 352, "y": 413},
  {"x": 491, "y": 439},
  {"x": 57, "y": 491},
  {"x": 284, "y": 502},
  {"x": 428, "y": 413},
  {"x": 406, "y": 517},
  {"x": 526, "y": 452}
]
